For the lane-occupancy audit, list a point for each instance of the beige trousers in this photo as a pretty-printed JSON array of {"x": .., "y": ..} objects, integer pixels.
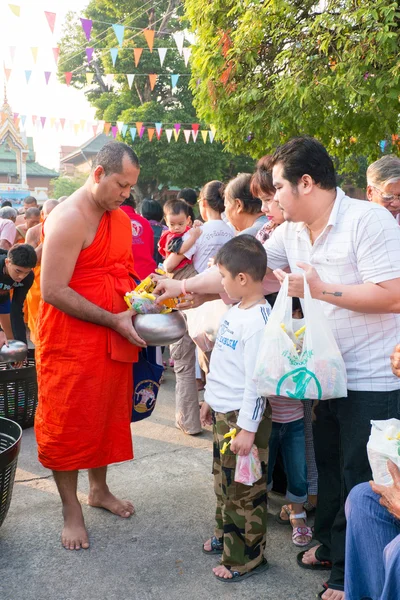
[{"x": 187, "y": 412}]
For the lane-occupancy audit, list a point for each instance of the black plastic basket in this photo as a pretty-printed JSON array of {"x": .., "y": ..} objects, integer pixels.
[
  {"x": 19, "y": 392},
  {"x": 10, "y": 442}
]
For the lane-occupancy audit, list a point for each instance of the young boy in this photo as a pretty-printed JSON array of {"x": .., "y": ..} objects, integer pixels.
[
  {"x": 178, "y": 220},
  {"x": 241, "y": 513}
]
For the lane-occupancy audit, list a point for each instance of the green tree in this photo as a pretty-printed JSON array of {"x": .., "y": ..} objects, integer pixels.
[
  {"x": 65, "y": 186},
  {"x": 162, "y": 163},
  {"x": 273, "y": 70}
]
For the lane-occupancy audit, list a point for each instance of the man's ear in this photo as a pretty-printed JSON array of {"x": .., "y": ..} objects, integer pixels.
[
  {"x": 239, "y": 205},
  {"x": 98, "y": 173},
  {"x": 307, "y": 184},
  {"x": 369, "y": 192}
]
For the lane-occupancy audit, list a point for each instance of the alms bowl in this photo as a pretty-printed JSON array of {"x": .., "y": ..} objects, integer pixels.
[
  {"x": 15, "y": 352},
  {"x": 161, "y": 330}
]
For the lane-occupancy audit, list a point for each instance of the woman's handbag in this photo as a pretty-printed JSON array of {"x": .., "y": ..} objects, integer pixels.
[{"x": 146, "y": 383}]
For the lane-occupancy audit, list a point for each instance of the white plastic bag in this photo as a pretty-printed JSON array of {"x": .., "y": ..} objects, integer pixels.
[
  {"x": 248, "y": 468},
  {"x": 204, "y": 321},
  {"x": 383, "y": 444},
  {"x": 316, "y": 371}
]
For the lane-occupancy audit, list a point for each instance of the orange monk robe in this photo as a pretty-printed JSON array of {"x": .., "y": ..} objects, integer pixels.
[
  {"x": 85, "y": 370},
  {"x": 32, "y": 302}
]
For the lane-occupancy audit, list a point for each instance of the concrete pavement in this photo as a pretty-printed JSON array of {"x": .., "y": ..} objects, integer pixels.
[{"x": 155, "y": 555}]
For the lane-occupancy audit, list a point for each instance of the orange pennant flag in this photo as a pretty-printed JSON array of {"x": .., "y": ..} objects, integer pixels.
[
  {"x": 107, "y": 127},
  {"x": 139, "y": 125},
  {"x": 7, "y": 73},
  {"x": 149, "y": 35},
  {"x": 152, "y": 79},
  {"x": 150, "y": 132},
  {"x": 137, "y": 53}
]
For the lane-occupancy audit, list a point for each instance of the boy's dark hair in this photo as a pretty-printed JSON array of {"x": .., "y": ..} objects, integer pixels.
[
  {"x": 175, "y": 207},
  {"x": 130, "y": 201},
  {"x": 239, "y": 188},
  {"x": 304, "y": 155},
  {"x": 189, "y": 195},
  {"x": 6, "y": 203},
  {"x": 152, "y": 210},
  {"x": 261, "y": 181},
  {"x": 111, "y": 155},
  {"x": 22, "y": 255},
  {"x": 243, "y": 254},
  {"x": 213, "y": 192}
]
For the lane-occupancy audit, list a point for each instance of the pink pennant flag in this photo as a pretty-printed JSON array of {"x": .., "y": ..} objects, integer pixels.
[
  {"x": 12, "y": 52},
  {"x": 51, "y": 19},
  {"x": 62, "y": 123},
  {"x": 7, "y": 73},
  {"x": 68, "y": 77},
  {"x": 56, "y": 54},
  {"x": 94, "y": 127},
  {"x": 15, "y": 116},
  {"x": 177, "y": 127},
  {"x": 114, "y": 131},
  {"x": 34, "y": 117},
  {"x": 141, "y": 132},
  {"x": 87, "y": 25},
  {"x": 47, "y": 76},
  {"x": 43, "y": 121},
  {"x": 89, "y": 54}
]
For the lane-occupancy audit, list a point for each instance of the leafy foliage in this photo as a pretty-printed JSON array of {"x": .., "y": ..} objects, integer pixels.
[{"x": 65, "y": 186}]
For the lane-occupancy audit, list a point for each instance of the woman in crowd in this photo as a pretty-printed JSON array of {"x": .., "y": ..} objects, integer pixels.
[{"x": 242, "y": 209}]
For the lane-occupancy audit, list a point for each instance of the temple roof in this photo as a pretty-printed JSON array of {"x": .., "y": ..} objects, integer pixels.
[{"x": 89, "y": 149}]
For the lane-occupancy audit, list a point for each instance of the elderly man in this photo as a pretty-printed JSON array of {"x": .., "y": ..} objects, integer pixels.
[
  {"x": 8, "y": 231},
  {"x": 383, "y": 184},
  {"x": 86, "y": 340}
]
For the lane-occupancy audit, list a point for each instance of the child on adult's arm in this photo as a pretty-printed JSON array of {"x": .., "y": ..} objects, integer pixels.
[
  {"x": 395, "y": 359},
  {"x": 231, "y": 401}
]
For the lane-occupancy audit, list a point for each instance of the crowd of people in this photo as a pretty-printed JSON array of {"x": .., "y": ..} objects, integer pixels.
[{"x": 235, "y": 244}]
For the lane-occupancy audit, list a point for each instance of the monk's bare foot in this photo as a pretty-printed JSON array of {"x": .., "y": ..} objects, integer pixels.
[
  {"x": 74, "y": 535},
  {"x": 222, "y": 571},
  {"x": 333, "y": 595},
  {"x": 105, "y": 499},
  {"x": 309, "y": 557}
]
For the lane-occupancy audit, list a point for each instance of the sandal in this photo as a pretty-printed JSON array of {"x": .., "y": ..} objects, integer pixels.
[
  {"x": 319, "y": 565},
  {"x": 237, "y": 577},
  {"x": 217, "y": 546},
  {"x": 301, "y": 531},
  {"x": 278, "y": 517}
]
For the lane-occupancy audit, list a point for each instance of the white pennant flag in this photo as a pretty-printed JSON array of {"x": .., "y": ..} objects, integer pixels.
[
  {"x": 161, "y": 53},
  {"x": 100, "y": 125},
  {"x": 186, "y": 55},
  {"x": 211, "y": 135},
  {"x": 187, "y": 133},
  {"x": 110, "y": 79},
  {"x": 130, "y": 79},
  {"x": 195, "y": 134},
  {"x": 168, "y": 133},
  {"x": 105, "y": 80},
  {"x": 179, "y": 37},
  {"x": 120, "y": 125}
]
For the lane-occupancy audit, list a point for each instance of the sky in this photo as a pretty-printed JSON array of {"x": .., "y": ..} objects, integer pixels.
[{"x": 54, "y": 100}]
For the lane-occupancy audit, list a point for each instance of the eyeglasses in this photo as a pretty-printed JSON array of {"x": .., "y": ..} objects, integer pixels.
[{"x": 387, "y": 197}]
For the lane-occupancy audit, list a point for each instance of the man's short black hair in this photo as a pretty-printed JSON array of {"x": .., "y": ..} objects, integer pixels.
[
  {"x": 152, "y": 210},
  {"x": 6, "y": 203},
  {"x": 189, "y": 195},
  {"x": 111, "y": 156},
  {"x": 30, "y": 200},
  {"x": 243, "y": 254},
  {"x": 304, "y": 155},
  {"x": 23, "y": 255},
  {"x": 175, "y": 207}
]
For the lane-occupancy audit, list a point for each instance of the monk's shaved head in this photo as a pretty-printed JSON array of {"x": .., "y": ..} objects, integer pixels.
[
  {"x": 31, "y": 213},
  {"x": 112, "y": 155},
  {"x": 48, "y": 206}
]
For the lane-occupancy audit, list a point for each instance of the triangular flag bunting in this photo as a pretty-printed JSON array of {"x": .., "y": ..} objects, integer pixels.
[
  {"x": 12, "y": 52},
  {"x": 168, "y": 133},
  {"x": 76, "y": 128},
  {"x": 149, "y": 36},
  {"x": 56, "y": 54},
  {"x": 152, "y": 79},
  {"x": 62, "y": 123},
  {"x": 174, "y": 81},
  {"x": 130, "y": 79},
  {"x": 34, "y": 51},
  {"x": 187, "y": 134},
  {"x": 82, "y": 124},
  {"x": 57, "y": 125},
  {"x": 89, "y": 78},
  {"x": 51, "y": 19},
  {"x": 94, "y": 127},
  {"x": 28, "y": 75},
  {"x": 158, "y": 129},
  {"x": 124, "y": 130},
  {"x": 204, "y": 135},
  {"x": 179, "y": 37},
  {"x": 89, "y": 54},
  {"x": 195, "y": 127},
  {"x": 139, "y": 125},
  {"x": 186, "y": 55},
  {"x": 162, "y": 53},
  {"x": 110, "y": 79},
  {"x": 211, "y": 135},
  {"x": 34, "y": 117},
  {"x": 119, "y": 33},
  {"x": 213, "y": 129},
  {"x": 114, "y": 131},
  {"x": 177, "y": 127},
  {"x": 104, "y": 78},
  {"x": 133, "y": 133},
  {"x": 114, "y": 55},
  {"x": 52, "y": 121},
  {"x": 15, "y": 9},
  {"x": 87, "y": 25},
  {"x": 47, "y": 76},
  {"x": 15, "y": 116},
  {"x": 137, "y": 53},
  {"x": 158, "y": 134},
  {"x": 176, "y": 134},
  {"x": 101, "y": 125},
  {"x": 141, "y": 132},
  {"x": 43, "y": 121},
  {"x": 107, "y": 127},
  {"x": 68, "y": 77},
  {"x": 195, "y": 134},
  {"x": 150, "y": 133},
  {"x": 120, "y": 125},
  {"x": 7, "y": 73},
  {"x": 23, "y": 119}
]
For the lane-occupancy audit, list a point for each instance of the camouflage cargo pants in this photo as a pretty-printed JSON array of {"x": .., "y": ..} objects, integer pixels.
[{"x": 241, "y": 513}]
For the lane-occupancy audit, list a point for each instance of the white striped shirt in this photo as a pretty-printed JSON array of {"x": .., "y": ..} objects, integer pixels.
[{"x": 284, "y": 410}]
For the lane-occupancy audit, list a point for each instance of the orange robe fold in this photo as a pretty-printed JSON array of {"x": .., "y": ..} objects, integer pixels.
[
  {"x": 32, "y": 302},
  {"x": 85, "y": 370}
]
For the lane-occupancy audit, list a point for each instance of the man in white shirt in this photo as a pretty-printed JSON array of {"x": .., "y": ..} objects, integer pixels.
[
  {"x": 350, "y": 252},
  {"x": 383, "y": 179}
]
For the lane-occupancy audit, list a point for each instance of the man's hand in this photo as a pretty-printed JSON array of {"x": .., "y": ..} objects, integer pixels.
[
  {"x": 395, "y": 360},
  {"x": 168, "y": 288},
  {"x": 124, "y": 326},
  {"x": 296, "y": 280},
  {"x": 205, "y": 414},
  {"x": 3, "y": 339},
  {"x": 390, "y": 493},
  {"x": 243, "y": 442}
]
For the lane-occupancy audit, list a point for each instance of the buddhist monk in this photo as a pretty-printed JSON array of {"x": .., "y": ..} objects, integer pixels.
[
  {"x": 29, "y": 202},
  {"x": 86, "y": 342},
  {"x": 32, "y": 217},
  {"x": 33, "y": 236}
]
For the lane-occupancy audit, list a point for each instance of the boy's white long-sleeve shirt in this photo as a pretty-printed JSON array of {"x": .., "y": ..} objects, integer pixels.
[{"x": 230, "y": 384}]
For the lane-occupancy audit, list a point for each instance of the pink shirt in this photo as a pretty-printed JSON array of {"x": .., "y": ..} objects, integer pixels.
[
  {"x": 8, "y": 231},
  {"x": 284, "y": 410}
]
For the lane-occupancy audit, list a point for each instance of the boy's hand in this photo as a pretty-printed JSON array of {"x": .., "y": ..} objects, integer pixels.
[
  {"x": 205, "y": 414},
  {"x": 197, "y": 223},
  {"x": 195, "y": 232},
  {"x": 243, "y": 442}
]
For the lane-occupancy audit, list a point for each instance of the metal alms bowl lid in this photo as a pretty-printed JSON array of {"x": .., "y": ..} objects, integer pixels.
[
  {"x": 15, "y": 351},
  {"x": 161, "y": 330}
]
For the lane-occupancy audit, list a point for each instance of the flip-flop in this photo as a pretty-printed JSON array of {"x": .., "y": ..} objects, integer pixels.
[
  {"x": 237, "y": 577},
  {"x": 278, "y": 518},
  {"x": 217, "y": 547},
  {"x": 325, "y": 586},
  {"x": 320, "y": 565}
]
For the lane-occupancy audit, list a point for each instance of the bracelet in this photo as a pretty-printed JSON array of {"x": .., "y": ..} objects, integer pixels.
[{"x": 183, "y": 287}]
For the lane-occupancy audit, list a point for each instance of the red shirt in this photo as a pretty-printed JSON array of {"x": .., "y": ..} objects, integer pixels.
[
  {"x": 142, "y": 243},
  {"x": 165, "y": 239}
]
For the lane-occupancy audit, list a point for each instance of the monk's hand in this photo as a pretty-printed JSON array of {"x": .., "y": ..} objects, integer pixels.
[
  {"x": 390, "y": 494},
  {"x": 3, "y": 339},
  {"x": 167, "y": 288},
  {"x": 124, "y": 326},
  {"x": 395, "y": 360}
]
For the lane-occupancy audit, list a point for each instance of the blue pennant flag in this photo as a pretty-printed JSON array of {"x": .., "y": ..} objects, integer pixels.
[
  {"x": 133, "y": 133},
  {"x": 174, "y": 80},
  {"x": 114, "y": 54},
  {"x": 119, "y": 32}
]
